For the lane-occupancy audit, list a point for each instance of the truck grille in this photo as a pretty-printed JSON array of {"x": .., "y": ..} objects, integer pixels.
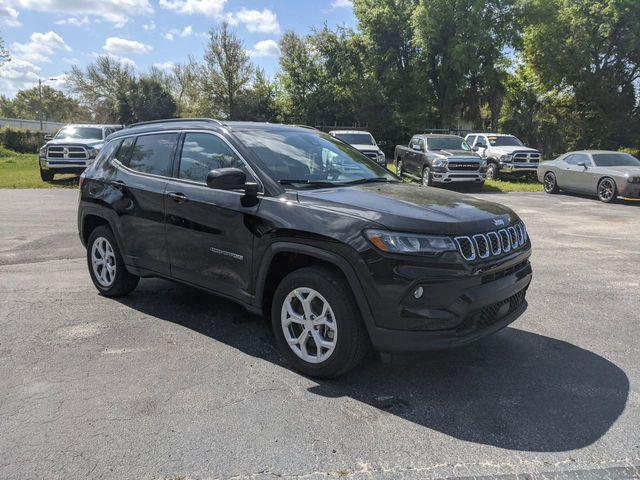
[
  {"x": 492, "y": 244},
  {"x": 463, "y": 164},
  {"x": 526, "y": 157},
  {"x": 64, "y": 152},
  {"x": 373, "y": 155}
]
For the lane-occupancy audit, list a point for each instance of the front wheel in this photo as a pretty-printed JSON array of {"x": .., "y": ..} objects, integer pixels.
[
  {"x": 427, "y": 179},
  {"x": 550, "y": 183},
  {"x": 399, "y": 168},
  {"x": 46, "y": 175},
  {"x": 607, "y": 190},
  {"x": 106, "y": 267},
  {"x": 492, "y": 171},
  {"x": 316, "y": 323}
]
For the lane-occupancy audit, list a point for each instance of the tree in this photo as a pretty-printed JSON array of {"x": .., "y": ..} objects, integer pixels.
[
  {"x": 100, "y": 86},
  {"x": 259, "y": 102},
  {"x": 56, "y": 106},
  {"x": 4, "y": 53},
  {"x": 589, "y": 50},
  {"x": 227, "y": 70},
  {"x": 145, "y": 99}
]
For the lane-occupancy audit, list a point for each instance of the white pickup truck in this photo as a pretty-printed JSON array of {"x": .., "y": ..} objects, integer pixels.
[
  {"x": 505, "y": 154},
  {"x": 363, "y": 142}
]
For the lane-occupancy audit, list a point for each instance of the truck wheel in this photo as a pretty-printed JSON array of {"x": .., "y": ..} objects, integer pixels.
[
  {"x": 492, "y": 171},
  {"x": 46, "y": 175},
  {"x": 106, "y": 267},
  {"x": 427, "y": 180},
  {"x": 316, "y": 323},
  {"x": 399, "y": 168}
]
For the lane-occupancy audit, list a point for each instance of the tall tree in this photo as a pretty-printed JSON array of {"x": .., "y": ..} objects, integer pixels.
[
  {"x": 259, "y": 101},
  {"x": 589, "y": 49},
  {"x": 56, "y": 106},
  {"x": 145, "y": 99},
  {"x": 228, "y": 70}
]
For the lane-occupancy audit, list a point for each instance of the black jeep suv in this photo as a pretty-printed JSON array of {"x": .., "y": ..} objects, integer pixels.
[{"x": 301, "y": 227}]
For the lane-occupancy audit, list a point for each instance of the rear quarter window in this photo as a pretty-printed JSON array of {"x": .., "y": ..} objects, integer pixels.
[{"x": 152, "y": 154}]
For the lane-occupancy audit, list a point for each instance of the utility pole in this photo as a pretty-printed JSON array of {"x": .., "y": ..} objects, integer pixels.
[{"x": 40, "y": 106}]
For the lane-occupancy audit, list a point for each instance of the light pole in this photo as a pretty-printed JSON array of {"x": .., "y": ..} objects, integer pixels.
[{"x": 40, "y": 82}]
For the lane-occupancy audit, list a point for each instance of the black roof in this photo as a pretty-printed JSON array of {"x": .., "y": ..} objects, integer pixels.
[{"x": 203, "y": 124}]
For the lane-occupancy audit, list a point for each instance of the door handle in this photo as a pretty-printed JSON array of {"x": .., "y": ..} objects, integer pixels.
[
  {"x": 178, "y": 197},
  {"x": 119, "y": 184}
]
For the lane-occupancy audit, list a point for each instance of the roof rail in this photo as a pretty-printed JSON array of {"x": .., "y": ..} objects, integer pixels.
[
  {"x": 171, "y": 120},
  {"x": 305, "y": 126}
]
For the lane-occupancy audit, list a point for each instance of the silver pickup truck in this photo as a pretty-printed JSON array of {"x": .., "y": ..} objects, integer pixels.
[
  {"x": 72, "y": 149},
  {"x": 440, "y": 159},
  {"x": 505, "y": 154}
]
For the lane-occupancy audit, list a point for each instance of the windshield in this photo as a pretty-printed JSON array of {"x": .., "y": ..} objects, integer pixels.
[
  {"x": 615, "y": 160},
  {"x": 356, "y": 138},
  {"x": 447, "y": 143},
  {"x": 505, "y": 141},
  {"x": 307, "y": 158},
  {"x": 87, "y": 133}
]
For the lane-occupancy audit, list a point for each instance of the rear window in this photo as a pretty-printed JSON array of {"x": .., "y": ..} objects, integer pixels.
[
  {"x": 151, "y": 154},
  {"x": 615, "y": 160}
]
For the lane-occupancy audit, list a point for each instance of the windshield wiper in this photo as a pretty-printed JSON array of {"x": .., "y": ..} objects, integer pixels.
[
  {"x": 369, "y": 180},
  {"x": 314, "y": 183}
]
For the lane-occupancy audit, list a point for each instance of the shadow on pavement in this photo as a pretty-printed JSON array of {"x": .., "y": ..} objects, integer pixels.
[{"x": 515, "y": 390}]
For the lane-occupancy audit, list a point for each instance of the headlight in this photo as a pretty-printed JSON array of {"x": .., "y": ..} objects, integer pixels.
[
  {"x": 43, "y": 152},
  {"x": 381, "y": 158},
  {"x": 394, "y": 242},
  {"x": 633, "y": 179},
  {"x": 506, "y": 158},
  {"x": 483, "y": 163},
  {"x": 440, "y": 162}
]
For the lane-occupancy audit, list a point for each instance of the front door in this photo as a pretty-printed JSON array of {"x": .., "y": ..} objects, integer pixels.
[
  {"x": 144, "y": 163},
  {"x": 577, "y": 177},
  {"x": 209, "y": 231}
]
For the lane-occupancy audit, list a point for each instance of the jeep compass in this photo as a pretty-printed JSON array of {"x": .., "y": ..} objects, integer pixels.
[{"x": 305, "y": 229}]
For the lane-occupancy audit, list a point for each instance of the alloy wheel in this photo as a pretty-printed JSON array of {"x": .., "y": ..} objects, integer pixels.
[
  {"x": 549, "y": 182},
  {"x": 103, "y": 262},
  {"x": 606, "y": 190},
  {"x": 309, "y": 325},
  {"x": 426, "y": 177},
  {"x": 491, "y": 172}
]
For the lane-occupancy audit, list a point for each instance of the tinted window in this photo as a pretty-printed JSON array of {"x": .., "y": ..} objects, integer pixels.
[
  {"x": 615, "y": 160},
  {"x": 482, "y": 141},
  {"x": 153, "y": 154},
  {"x": 107, "y": 152},
  {"x": 577, "y": 158},
  {"x": 505, "y": 141},
  {"x": 125, "y": 151},
  {"x": 88, "y": 133},
  {"x": 203, "y": 152}
]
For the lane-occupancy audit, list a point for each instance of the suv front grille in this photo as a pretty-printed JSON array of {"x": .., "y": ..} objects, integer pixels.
[
  {"x": 492, "y": 244},
  {"x": 69, "y": 153}
]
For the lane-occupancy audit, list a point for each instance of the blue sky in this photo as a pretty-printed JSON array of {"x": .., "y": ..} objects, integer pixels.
[{"x": 46, "y": 37}]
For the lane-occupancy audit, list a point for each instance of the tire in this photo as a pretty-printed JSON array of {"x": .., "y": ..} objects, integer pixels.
[
  {"x": 492, "y": 171},
  {"x": 117, "y": 281},
  {"x": 427, "y": 180},
  {"x": 46, "y": 175},
  {"x": 550, "y": 183},
  {"x": 607, "y": 190},
  {"x": 343, "y": 332},
  {"x": 399, "y": 168}
]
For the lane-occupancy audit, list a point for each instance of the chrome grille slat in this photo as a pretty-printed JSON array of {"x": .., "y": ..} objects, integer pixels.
[
  {"x": 482, "y": 245},
  {"x": 492, "y": 244},
  {"x": 67, "y": 152}
]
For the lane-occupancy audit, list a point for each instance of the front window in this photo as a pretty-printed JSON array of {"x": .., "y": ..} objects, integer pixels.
[
  {"x": 447, "y": 143},
  {"x": 356, "y": 138},
  {"x": 311, "y": 158},
  {"x": 84, "y": 133},
  {"x": 615, "y": 160},
  {"x": 505, "y": 141}
]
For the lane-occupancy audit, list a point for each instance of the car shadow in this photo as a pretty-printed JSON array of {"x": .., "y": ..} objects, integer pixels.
[{"x": 515, "y": 390}]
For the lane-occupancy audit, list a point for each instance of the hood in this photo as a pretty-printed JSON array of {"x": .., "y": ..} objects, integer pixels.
[
  {"x": 507, "y": 150},
  {"x": 75, "y": 141},
  {"x": 367, "y": 148},
  {"x": 412, "y": 208},
  {"x": 457, "y": 153}
]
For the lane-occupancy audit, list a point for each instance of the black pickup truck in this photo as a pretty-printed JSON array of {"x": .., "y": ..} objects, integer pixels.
[{"x": 440, "y": 159}]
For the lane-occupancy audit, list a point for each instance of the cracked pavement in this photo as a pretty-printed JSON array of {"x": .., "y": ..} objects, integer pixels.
[{"x": 171, "y": 382}]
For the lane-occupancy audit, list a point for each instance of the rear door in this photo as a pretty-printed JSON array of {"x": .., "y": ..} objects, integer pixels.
[
  {"x": 144, "y": 164},
  {"x": 209, "y": 231}
]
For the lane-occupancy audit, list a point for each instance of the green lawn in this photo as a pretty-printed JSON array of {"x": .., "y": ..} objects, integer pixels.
[
  {"x": 500, "y": 186},
  {"x": 20, "y": 170}
]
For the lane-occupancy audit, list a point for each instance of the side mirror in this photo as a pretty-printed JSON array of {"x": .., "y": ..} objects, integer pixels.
[
  {"x": 226, "y": 179},
  {"x": 475, "y": 148},
  {"x": 582, "y": 164},
  {"x": 48, "y": 137}
]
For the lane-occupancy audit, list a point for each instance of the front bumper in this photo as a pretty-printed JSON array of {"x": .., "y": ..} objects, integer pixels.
[
  {"x": 517, "y": 167},
  {"x": 64, "y": 166},
  {"x": 630, "y": 191},
  {"x": 444, "y": 175},
  {"x": 454, "y": 310}
]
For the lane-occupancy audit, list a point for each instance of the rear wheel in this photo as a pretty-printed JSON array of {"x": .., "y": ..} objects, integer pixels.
[
  {"x": 607, "y": 190},
  {"x": 46, "y": 175},
  {"x": 550, "y": 183},
  {"x": 316, "y": 323},
  {"x": 106, "y": 267},
  {"x": 427, "y": 179},
  {"x": 492, "y": 171}
]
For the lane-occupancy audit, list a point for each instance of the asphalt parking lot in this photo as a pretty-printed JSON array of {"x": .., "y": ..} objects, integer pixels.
[{"x": 171, "y": 382}]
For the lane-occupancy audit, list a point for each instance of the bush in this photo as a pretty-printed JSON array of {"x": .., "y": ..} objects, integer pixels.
[
  {"x": 631, "y": 151},
  {"x": 22, "y": 141}
]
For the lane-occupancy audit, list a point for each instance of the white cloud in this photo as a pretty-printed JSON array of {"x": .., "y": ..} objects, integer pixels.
[
  {"x": 41, "y": 46},
  {"x": 168, "y": 65},
  {"x": 149, "y": 27},
  {"x": 186, "y": 31},
  {"x": 341, "y": 4},
  {"x": 264, "y": 21},
  {"x": 168, "y": 36},
  {"x": 75, "y": 21},
  {"x": 122, "y": 45},
  {"x": 265, "y": 48},
  {"x": 209, "y": 8},
  {"x": 115, "y": 11},
  {"x": 174, "y": 32},
  {"x": 9, "y": 16},
  {"x": 123, "y": 60}
]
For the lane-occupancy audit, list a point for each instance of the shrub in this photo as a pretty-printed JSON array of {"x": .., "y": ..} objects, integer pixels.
[
  {"x": 631, "y": 151},
  {"x": 22, "y": 141}
]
